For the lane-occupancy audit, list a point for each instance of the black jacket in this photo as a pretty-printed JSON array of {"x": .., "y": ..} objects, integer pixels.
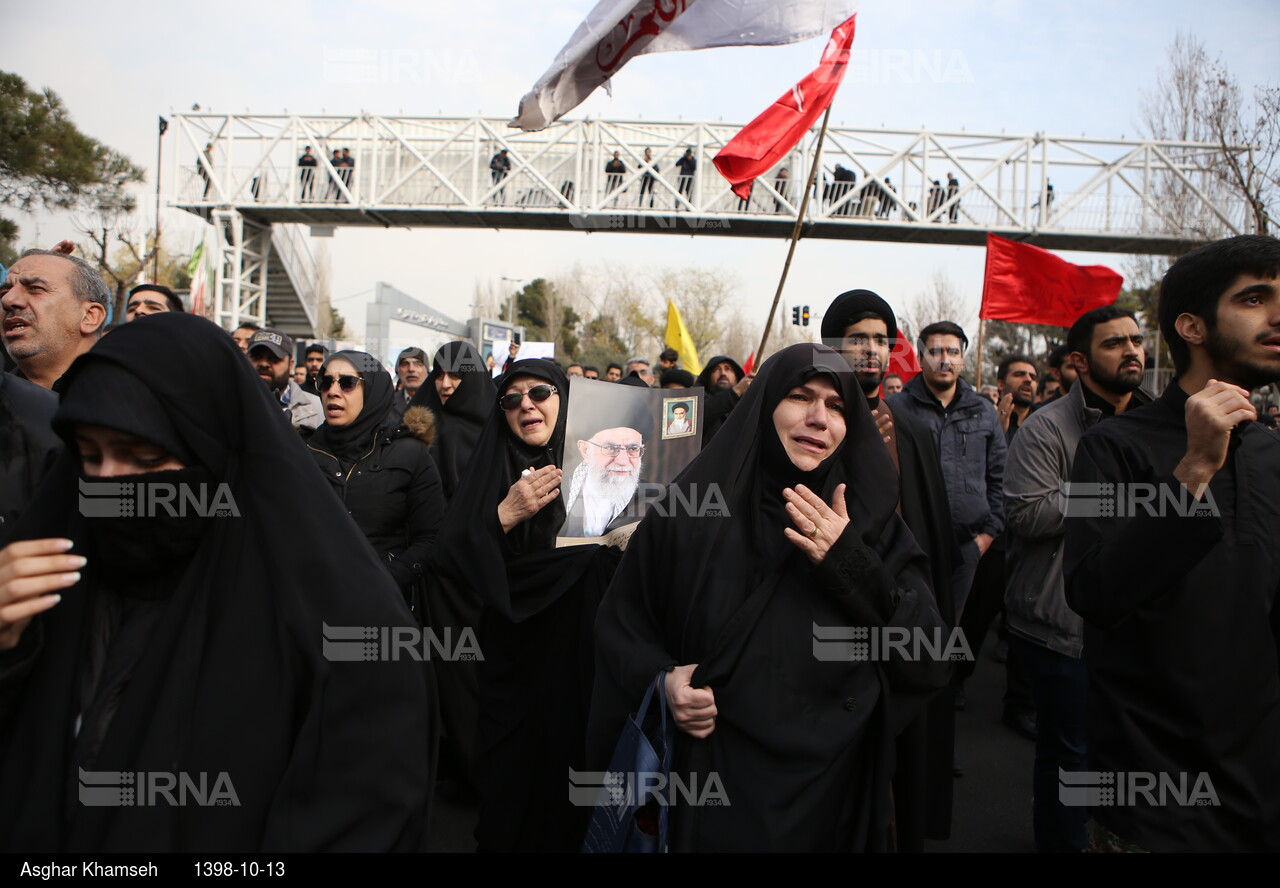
[
  {"x": 28, "y": 445},
  {"x": 1181, "y": 628},
  {"x": 717, "y": 404},
  {"x": 393, "y": 493},
  {"x": 972, "y": 448}
]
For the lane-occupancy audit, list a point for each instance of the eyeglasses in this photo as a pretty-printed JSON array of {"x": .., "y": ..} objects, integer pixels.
[
  {"x": 346, "y": 383},
  {"x": 537, "y": 394},
  {"x": 633, "y": 450}
]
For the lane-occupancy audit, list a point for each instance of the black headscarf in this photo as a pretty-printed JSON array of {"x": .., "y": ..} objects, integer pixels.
[
  {"x": 231, "y": 675},
  {"x": 460, "y": 419},
  {"x": 348, "y": 443},
  {"x": 734, "y": 596},
  {"x": 677, "y": 378},
  {"x": 851, "y": 306}
]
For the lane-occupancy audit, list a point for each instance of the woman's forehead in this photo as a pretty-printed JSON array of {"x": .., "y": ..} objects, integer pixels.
[{"x": 523, "y": 383}]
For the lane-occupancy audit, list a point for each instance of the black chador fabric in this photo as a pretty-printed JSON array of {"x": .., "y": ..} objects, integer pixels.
[
  {"x": 453, "y": 605},
  {"x": 1181, "y": 608},
  {"x": 535, "y": 637},
  {"x": 803, "y": 745},
  {"x": 924, "y": 781},
  {"x": 460, "y": 419},
  {"x": 219, "y": 669}
]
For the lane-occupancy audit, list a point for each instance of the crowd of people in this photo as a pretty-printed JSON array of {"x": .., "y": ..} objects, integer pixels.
[
  {"x": 341, "y": 168},
  {"x": 1132, "y": 543}
]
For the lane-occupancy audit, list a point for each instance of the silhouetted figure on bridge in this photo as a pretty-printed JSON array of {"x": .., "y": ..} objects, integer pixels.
[
  {"x": 687, "y": 165},
  {"x": 307, "y": 173}
]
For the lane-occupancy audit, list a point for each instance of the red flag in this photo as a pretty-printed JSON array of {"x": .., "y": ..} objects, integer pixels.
[
  {"x": 1028, "y": 285},
  {"x": 749, "y": 365},
  {"x": 763, "y": 142},
  {"x": 903, "y": 360}
]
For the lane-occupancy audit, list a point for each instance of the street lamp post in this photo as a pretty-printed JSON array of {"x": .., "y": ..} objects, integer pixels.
[{"x": 155, "y": 259}]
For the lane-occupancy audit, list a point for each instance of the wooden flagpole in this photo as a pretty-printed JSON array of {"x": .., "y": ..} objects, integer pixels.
[
  {"x": 981, "y": 327},
  {"x": 795, "y": 235}
]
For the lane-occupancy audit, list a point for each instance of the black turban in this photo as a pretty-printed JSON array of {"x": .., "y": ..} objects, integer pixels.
[{"x": 850, "y": 307}]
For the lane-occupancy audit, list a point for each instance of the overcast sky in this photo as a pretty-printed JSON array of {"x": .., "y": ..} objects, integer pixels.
[{"x": 1064, "y": 68}]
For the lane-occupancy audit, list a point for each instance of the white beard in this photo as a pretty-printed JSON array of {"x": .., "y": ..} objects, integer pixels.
[{"x": 603, "y": 499}]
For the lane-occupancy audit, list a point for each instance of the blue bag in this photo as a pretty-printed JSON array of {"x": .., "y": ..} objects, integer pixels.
[{"x": 630, "y": 815}]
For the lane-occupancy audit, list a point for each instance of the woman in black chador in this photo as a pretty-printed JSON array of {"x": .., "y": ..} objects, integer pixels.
[
  {"x": 539, "y": 607},
  {"x": 216, "y": 649},
  {"x": 791, "y": 731},
  {"x": 459, "y": 394}
]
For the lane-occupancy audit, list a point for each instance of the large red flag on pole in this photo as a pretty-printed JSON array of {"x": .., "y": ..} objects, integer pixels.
[
  {"x": 763, "y": 142},
  {"x": 1028, "y": 285}
]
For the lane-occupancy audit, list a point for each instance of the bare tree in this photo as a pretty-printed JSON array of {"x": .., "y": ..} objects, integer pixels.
[
  {"x": 125, "y": 254},
  {"x": 1197, "y": 99}
]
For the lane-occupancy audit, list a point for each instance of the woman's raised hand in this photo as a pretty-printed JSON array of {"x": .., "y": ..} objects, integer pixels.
[
  {"x": 819, "y": 525},
  {"x": 529, "y": 496}
]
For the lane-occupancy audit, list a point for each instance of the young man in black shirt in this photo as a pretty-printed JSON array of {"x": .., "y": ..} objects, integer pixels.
[{"x": 1178, "y": 576}]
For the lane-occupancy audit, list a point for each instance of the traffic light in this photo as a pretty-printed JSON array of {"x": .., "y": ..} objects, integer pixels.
[
  {"x": 805, "y": 315},
  {"x": 795, "y": 316}
]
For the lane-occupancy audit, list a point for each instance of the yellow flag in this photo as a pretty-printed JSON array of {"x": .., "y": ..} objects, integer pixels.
[{"x": 678, "y": 337}]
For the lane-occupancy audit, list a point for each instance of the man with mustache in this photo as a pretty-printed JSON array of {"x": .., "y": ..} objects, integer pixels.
[
  {"x": 1017, "y": 380},
  {"x": 271, "y": 353},
  {"x": 1046, "y": 636},
  {"x": 970, "y": 442},
  {"x": 724, "y": 383},
  {"x": 604, "y": 485},
  {"x": 863, "y": 328},
  {"x": 55, "y": 307},
  {"x": 1178, "y": 591},
  {"x": 411, "y": 371}
]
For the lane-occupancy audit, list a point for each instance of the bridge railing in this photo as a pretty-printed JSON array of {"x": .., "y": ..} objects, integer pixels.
[{"x": 1033, "y": 183}]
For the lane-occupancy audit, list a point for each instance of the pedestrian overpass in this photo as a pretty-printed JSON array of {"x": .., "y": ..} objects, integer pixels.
[{"x": 241, "y": 174}]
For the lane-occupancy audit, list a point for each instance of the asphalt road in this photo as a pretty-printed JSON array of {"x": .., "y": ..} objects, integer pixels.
[{"x": 992, "y": 801}]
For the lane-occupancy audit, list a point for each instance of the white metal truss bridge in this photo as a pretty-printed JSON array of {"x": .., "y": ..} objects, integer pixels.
[{"x": 242, "y": 173}]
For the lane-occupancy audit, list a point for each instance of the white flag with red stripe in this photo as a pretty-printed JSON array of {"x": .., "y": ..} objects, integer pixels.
[{"x": 616, "y": 31}]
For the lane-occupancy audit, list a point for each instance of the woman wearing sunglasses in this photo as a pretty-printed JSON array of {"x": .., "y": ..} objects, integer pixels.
[
  {"x": 539, "y": 606},
  {"x": 159, "y": 620},
  {"x": 382, "y": 470}
]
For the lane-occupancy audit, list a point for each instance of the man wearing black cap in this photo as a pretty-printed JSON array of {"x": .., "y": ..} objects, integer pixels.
[
  {"x": 863, "y": 328},
  {"x": 725, "y": 384},
  {"x": 146, "y": 299},
  {"x": 271, "y": 353},
  {"x": 411, "y": 370}
]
